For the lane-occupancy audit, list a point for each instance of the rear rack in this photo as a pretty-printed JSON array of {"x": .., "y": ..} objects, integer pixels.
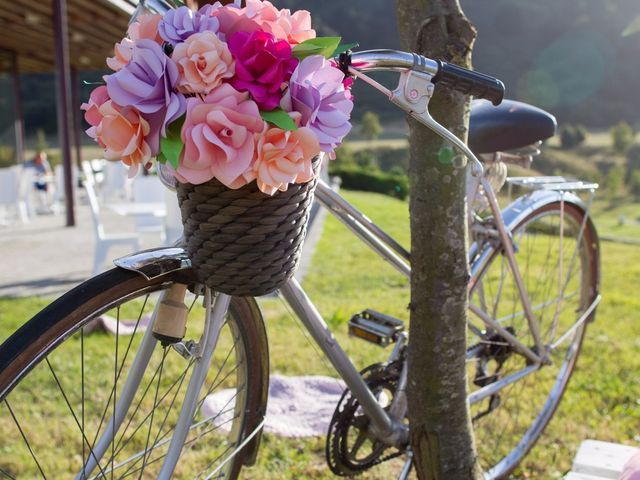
[{"x": 552, "y": 183}]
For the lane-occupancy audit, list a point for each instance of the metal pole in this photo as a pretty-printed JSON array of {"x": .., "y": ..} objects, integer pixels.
[
  {"x": 18, "y": 119},
  {"x": 77, "y": 125},
  {"x": 65, "y": 121}
]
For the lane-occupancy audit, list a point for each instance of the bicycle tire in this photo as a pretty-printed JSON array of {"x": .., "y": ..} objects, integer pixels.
[
  {"x": 43, "y": 345},
  {"x": 498, "y": 460}
]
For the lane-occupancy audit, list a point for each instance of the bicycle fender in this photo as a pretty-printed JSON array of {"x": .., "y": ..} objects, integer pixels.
[
  {"x": 517, "y": 211},
  {"x": 156, "y": 262}
]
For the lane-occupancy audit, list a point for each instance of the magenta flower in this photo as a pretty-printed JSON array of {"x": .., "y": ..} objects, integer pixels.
[
  {"x": 179, "y": 24},
  {"x": 317, "y": 92},
  {"x": 147, "y": 83},
  {"x": 263, "y": 64}
]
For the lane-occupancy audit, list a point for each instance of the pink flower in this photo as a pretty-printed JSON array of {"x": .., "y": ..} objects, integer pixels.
[
  {"x": 282, "y": 158},
  {"x": 262, "y": 15},
  {"x": 262, "y": 66},
  {"x": 204, "y": 61},
  {"x": 121, "y": 131},
  {"x": 218, "y": 135},
  {"x": 92, "y": 108},
  {"x": 145, "y": 27}
]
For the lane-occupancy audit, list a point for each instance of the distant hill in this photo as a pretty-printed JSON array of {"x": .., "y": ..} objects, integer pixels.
[{"x": 567, "y": 56}]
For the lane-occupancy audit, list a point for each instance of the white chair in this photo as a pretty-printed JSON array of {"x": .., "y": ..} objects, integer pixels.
[
  {"x": 59, "y": 194},
  {"x": 116, "y": 184},
  {"x": 11, "y": 183},
  {"x": 103, "y": 241},
  {"x": 173, "y": 221},
  {"x": 149, "y": 189}
]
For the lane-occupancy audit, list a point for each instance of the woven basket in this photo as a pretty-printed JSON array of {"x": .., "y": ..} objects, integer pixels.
[{"x": 243, "y": 242}]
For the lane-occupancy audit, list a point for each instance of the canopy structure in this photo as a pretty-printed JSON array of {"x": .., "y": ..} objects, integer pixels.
[{"x": 65, "y": 36}]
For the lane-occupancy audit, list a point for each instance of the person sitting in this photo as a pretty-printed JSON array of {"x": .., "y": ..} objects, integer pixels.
[
  {"x": 42, "y": 170},
  {"x": 42, "y": 174}
]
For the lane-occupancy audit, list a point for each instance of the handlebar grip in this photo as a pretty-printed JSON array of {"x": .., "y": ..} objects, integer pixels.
[{"x": 469, "y": 82}]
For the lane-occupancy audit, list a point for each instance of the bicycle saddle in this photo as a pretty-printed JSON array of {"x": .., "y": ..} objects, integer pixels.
[{"x": 510, "y": 126}]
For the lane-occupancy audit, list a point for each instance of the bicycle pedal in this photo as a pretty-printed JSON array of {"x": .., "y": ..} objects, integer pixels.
[{"x": 375, "y": 327}]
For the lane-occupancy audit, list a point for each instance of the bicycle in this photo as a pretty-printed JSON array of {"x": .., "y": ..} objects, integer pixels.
[{"x": 529, "y": 304}]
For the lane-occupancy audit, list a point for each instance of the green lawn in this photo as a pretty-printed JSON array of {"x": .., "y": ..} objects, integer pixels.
[{"x": 603, "y": 399}]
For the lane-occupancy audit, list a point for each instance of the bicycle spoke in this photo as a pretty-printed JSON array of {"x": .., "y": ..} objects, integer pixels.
[
  {"x": 24, "y": 437},
  {"x": 106, "y": 408},
  {"x": 155, "y": 404},
  {"x": 178, "y": 382},
  {"x": 115, "y": 389},
  {"x": 75, "y": 418},
  {"x": 7, "y": 474}
]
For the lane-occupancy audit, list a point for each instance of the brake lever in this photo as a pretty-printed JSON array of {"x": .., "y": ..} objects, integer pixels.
[{"x": 413, "y": 95}]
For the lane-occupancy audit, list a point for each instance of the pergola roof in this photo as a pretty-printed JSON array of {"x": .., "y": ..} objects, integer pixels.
[{"x": 26, "y": 27}]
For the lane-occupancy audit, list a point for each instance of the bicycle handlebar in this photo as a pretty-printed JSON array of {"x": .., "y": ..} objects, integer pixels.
[{"x": 448, "y": 75}]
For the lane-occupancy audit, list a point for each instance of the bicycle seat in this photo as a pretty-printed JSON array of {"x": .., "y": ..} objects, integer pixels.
[{"x": 510, "y": 126}]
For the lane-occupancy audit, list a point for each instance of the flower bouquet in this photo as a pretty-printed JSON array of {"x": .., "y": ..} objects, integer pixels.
[{"x": 239, "y": 105}]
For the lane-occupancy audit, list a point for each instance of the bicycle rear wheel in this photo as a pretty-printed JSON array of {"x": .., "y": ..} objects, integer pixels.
[
  {"x": 59, "y": 386},
  {"x": 557, "y": 254}
]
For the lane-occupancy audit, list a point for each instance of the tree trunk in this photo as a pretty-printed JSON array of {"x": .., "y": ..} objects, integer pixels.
[{"x": 441, "y": 432}]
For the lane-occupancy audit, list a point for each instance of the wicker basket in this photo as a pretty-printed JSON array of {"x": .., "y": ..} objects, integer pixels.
[{"x": 243, "y": 242}]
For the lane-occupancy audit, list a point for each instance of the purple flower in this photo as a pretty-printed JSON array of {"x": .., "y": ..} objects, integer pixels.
[
  {"x": 316, "y": 92},
  {"x": 178, "y": 25},
  {"x": 263, "y": 64},
  {"x": 147, "y": 83}
]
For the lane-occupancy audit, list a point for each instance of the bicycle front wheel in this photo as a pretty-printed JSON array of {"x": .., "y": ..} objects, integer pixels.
[
  {"x": 59, "y": 387},
  {"x": 557, "y": 255}
]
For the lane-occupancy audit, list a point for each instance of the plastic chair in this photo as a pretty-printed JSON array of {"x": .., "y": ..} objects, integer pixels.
[
  {"x": 116, "y": 184},
  {"x": 103, "y": 241},
  {"x": 11, "y": 182},
  {"x": 173, "y": 221},
  {"x": 149, "y": 189},
  {"x": 59, "y": 193}
]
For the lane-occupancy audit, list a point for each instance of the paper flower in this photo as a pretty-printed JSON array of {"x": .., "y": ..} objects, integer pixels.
[
  {"x": 316, "y": 92},
  {"x": 282, "y": 158},
  {"x": 263, "y": 64},
  {"x": 145, "y": 27},
  {"x": 262, "y": 15},
  {"x": 121, "y": 131},
  {"x": 178, "y": 25},
  {"x": 147, "y": 83},
  {"x": 218, "y": 135},
  {"x": 203, "y": 61}
]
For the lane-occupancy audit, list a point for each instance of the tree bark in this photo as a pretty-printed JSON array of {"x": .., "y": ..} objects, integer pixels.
[{"x": 441, "y": 431}]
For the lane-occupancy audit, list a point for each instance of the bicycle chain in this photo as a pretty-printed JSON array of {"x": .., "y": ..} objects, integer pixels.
[{"x": 376, "y": 376}]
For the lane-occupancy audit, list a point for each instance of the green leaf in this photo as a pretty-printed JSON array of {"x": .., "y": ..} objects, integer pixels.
[
  {"x": 634, "y": 27},
  {"x": 325, "y": 46},
  {"x": 171, "y": 146},
  {"x": 344, "y": 47},
  {"x": 280, "y": 119}
]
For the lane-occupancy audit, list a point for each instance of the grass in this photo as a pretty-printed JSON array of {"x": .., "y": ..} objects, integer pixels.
[{"x": 603, "y": 399}]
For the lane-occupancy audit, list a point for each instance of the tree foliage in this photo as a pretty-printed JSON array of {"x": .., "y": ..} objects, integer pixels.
[
  {"x": 621, "y": 137},
  {"x": 370, "y": 126}
]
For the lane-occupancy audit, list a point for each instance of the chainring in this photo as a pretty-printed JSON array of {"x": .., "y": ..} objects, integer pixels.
[{"x": 351, "y": 447}]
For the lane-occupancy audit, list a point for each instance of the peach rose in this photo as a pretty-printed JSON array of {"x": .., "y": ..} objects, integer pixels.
[
  {"x": 282, "y": 158},
  {"x": 218, "y": 134},
  {"x": 122, "y": 133},
  {"x": 145, "y": 27},
  {"x": 203, "y": 62},
  {"x": 262, "y": 15},
  {"x": 92, "y": 115}
]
